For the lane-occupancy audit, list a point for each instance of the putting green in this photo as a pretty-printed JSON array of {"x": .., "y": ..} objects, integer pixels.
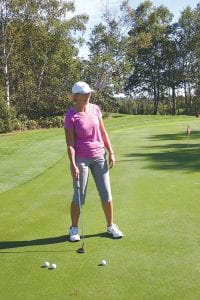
[{"x": 155, "y": 183}]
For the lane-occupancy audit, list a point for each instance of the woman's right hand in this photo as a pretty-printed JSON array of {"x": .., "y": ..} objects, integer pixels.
[{"x": 75, "y": 172}]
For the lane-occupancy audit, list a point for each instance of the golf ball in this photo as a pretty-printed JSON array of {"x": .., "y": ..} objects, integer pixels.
[
  {"x": 46, "y": 264},
  {"x": 103, "y": 262},
  {"x": 53, "y": 266}
]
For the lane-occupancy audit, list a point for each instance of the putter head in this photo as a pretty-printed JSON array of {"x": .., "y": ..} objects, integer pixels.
[{"x": 80, "y": 250}]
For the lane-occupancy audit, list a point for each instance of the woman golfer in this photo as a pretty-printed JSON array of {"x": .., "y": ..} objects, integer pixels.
[{"x": 87, "y": 140}]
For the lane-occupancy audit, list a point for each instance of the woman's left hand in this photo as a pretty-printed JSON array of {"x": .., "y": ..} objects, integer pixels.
[{"x": 111, "y": 160}]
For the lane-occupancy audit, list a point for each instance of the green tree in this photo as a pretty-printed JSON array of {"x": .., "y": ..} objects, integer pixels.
[
  {"x": 197, "y": 53},
  {"x": 187, "y": 46},
  {"x": 150, "y": 27},
  {"x": 8, "y": 38},
  {"x": 172, "y": 72},
  {"x": 107, "y": 66},
  {"x": 44, "y": 60}
]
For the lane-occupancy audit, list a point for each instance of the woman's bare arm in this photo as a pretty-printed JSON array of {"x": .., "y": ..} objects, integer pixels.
[
  {"x": 107, "y": 143},
  {"x": 69, "y": 135}
]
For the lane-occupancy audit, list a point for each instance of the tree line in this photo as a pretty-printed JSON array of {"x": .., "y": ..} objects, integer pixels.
[{"x": 139, "y": 52}]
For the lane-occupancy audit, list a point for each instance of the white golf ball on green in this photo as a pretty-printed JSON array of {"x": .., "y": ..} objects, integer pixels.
[
  {"x": 46, "y": 264},
  {"x": 53, "y": 266},
  {"x": 103, "y": 262}
]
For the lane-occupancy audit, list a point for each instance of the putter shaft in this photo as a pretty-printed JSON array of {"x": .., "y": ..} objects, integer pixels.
[{"x": 81, "y": 250}]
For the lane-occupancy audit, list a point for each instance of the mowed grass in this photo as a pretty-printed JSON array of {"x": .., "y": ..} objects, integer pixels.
[{"x": 156, "y": 191}]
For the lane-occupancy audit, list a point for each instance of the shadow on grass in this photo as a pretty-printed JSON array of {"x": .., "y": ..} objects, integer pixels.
[
  {"x": 176, "y": 136},
  {"x": 182, "y": 155},
  {"x": 45, "y": 241},
  {"x": 20, "y": 244}
]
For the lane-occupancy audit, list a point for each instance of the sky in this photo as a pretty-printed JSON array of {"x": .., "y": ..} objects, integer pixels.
[{"x": 95, "y": 9}]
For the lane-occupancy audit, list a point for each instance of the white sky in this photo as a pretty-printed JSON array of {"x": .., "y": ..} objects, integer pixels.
[{"x": 95, "y": 9}]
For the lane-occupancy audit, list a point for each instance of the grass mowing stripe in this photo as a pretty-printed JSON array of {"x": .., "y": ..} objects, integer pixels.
[
  {"x": 122, "y": 122},
  {"x": 26, "y": 155}
]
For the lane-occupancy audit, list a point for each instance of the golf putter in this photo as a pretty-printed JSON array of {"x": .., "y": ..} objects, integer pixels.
[{"x": 80, "y": 250}]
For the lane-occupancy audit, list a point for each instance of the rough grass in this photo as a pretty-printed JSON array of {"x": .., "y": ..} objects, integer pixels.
[{"x": 155, "y": 186}]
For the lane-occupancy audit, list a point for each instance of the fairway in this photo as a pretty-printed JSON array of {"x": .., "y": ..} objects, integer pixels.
[{"x": 156, "y": 192}]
